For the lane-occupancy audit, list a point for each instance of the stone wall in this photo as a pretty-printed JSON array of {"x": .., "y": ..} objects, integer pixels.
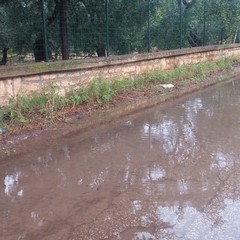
[{"x": 16, "y": 80}]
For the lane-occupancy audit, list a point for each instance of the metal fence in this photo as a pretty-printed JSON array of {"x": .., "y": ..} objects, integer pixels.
[{"x": 49, "y": 30}]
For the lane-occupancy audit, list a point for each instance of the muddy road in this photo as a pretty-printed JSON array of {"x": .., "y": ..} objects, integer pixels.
[{"x": 171, "y": 172}]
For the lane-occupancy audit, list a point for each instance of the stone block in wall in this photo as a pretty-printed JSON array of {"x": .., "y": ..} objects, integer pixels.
[
  {"x": 62, "y": 76},
  {"x": 30, "y": 79},
  {"x": 162, "y": 64},
  {"x": 3, "y": 94},
  {"x": 181, "y": 60},
  {"x": 104, "y": 72},
  {"x": 68, "y": 83},
  {"x": 30, "y": 84},
  {"x": 211, "y": 56},
  {"x": 6, "y": 91},
  {"x": 2, "y": 88},
  {"x": 170, "y": 63},
  {"x": 73, "y": 75},
  {"x": 154, "y": 64},
  {"x": 112, "y": 70},
  {"x": 233, "y": 52},
  {"x": 17, "y": 84},
  {"x": 119, "y": 71},
  {"x": 138, "y": 69},
  {"x": 49, "y": 77},
  {"x": 194, "y": 59},
  {"x": 144, "y": 68},
  {"x": 9, "y": 87},
  {"x": 201, "y": 57},
  {"x": 65, "y": 86},
  {"x": 129, "y": 69}
]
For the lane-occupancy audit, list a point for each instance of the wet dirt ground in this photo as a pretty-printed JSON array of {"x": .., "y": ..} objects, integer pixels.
[{"x": 170, "y": 172}]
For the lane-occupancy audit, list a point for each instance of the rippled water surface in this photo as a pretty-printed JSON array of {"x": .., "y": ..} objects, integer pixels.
[{"x": 171, "y": 172}]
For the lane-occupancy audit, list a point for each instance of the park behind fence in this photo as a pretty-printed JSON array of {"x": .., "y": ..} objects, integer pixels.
[{"x": 50, "y": 30}]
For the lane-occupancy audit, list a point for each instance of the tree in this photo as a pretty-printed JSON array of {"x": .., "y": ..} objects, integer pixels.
[{"x": 80, "y": 26}]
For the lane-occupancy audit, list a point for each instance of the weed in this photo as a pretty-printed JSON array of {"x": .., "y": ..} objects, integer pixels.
[
  {"x": 47, "y": 105},
  {"x": 122, "y": 85},
  {"x": 101, "y": 91},
  {"x": 141, "y": 81}
]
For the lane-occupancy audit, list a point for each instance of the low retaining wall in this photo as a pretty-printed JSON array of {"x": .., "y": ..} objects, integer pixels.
[{"x": 16, "y": 80}]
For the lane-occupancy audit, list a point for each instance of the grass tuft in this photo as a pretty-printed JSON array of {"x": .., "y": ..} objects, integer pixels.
[{"x": 47, "y": 105}]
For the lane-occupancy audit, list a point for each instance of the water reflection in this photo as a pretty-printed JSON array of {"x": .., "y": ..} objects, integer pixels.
[
  {"x": 63, "y": 178},
  {"x": 171, "y": 173},
  {"x": 222, "y": 160},
  {"x": 99, "y": 179},
  {"x": 11, "y": 183},
  {"x": 171, "y": 135},
  {"x": 189, "y": 223},
  {"x": 192, "y": 108},
  {"x": 37, "y": 219},
  {"x": 136, "y": 206},
  {"x": 66, "y": 152},
  {"x": 143, "y": 236}
]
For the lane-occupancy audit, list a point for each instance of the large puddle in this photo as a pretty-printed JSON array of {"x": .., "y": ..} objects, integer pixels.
[{"x": 171, "y": 172}]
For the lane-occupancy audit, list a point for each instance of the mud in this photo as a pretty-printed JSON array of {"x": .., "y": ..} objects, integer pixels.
[{"x": 169, "y": 172}]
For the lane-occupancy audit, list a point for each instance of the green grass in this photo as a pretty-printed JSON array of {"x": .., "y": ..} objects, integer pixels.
[{"x": 46, "y": 106}]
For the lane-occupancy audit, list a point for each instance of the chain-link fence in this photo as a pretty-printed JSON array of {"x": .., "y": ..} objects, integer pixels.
[{"x": 48, "y": 30}]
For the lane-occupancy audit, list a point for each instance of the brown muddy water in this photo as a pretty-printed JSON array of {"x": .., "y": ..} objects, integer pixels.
[{"x": 171, "y": 172}]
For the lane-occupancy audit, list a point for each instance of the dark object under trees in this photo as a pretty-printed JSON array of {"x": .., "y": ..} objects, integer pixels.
[
  {"x": 100, "y": 51},
  {"x": 4, "y": 56},
  {"x": 39, "y": 50}
]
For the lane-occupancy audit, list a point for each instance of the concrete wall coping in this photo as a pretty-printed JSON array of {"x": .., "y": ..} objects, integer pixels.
[{"x": 7, "y": 72}]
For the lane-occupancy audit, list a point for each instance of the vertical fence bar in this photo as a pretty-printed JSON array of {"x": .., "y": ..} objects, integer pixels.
[
  {"x": 149, "y": 26},
  {"x": 63, "y": 14},
  {"x": 180, "y": 23},
  {"x": 204, "y": 22},
  {"x": 222, "y": 34},
  {"x": 44, "y": 31},
  {"x": 222, "y": 28},
  {"x": 107, "y": 26}
]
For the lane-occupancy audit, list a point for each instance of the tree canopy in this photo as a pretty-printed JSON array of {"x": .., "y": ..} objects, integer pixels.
[{"x": 89, "y": 27}]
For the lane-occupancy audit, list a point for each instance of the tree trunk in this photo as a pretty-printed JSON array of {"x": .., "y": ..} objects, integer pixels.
[
  {"x": 39, "y": 50},
  {"x": 63, "y": 29},
  {"x": 101, "y": 51},
  {"x": 4, "y": 56}
]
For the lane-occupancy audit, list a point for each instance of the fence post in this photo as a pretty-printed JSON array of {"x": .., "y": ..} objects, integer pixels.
[
  {"x": 149, "y": 26},
  {"x": 44, "y": 31},
  {"x": 204, "y": 22},
  {"x": 107, "y": 26},
  {"x": 222, "y": 33},
  {"x": 180, "y": 23}
]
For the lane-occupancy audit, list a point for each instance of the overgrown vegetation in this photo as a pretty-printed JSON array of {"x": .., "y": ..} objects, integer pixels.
[{"x": 47, "y": 106}]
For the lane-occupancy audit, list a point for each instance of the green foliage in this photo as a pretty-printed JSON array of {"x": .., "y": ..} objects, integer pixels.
[
  {"x": 122, "y": 85},
  {"x": 22, "y": 25},
  {"x": 78, "y": 96},
  {"x": 101, "y": 91}
]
